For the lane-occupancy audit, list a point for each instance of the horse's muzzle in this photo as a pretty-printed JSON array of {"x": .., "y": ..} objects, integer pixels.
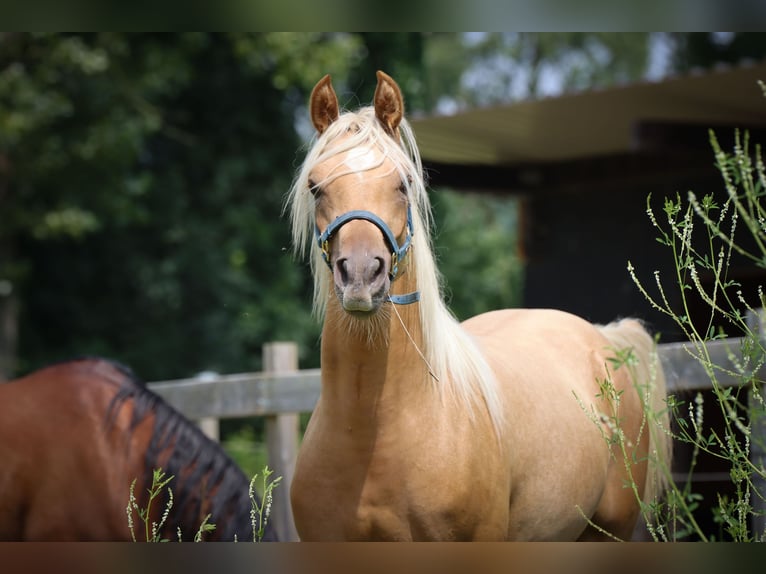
[{"x": 361, "y": 283}]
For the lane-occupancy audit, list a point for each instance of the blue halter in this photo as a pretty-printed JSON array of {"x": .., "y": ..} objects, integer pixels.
[{"x": 397, "y": 253}]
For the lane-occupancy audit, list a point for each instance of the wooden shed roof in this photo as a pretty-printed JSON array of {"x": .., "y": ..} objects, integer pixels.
[{"x": 615, "y": 121}]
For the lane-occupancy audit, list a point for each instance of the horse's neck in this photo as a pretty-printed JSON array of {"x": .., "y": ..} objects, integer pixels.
[{"x": 363, "y": 378}]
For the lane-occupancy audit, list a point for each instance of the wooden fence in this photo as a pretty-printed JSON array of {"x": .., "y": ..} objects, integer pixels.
[{"x": 282, "y": 391}]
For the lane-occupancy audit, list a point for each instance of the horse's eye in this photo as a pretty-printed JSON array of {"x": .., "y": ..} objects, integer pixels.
[
  {"x": 314, "y": 189},
  {"x": 404, "y": 185}
]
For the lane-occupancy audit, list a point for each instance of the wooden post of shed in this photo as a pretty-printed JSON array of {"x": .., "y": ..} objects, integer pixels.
[
  {"x": 282, "y": 440},
  {"x": 757, "y": 399}
]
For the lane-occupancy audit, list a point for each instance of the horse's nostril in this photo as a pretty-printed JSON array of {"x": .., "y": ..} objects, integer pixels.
[
  {"x": 342, "y": 266},
  {"x": 378, "y": 269}
]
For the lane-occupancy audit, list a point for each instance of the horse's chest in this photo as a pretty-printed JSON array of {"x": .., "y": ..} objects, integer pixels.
[
  {"x": 410, "y": 490},
  {"x": 382, "y": 506}
]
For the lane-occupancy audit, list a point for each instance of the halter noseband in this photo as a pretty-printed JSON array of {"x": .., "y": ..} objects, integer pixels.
[{"x": 397, "y": 253}]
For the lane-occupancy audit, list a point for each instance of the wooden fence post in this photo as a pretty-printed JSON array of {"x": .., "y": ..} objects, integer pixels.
[
  {"x": 211, "y": 426},
  {"x": 757, "y": 323},
  {"x": 282, "y": 440}
]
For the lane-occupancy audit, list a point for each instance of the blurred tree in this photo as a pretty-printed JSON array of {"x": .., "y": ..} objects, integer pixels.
[
  {"x": 475, "y": 242},
  {"x": 705, "y": 49},
  {"x": 400, "y": 55},
  {"x": 68, "y": 148},
  {"x": 141, "y": 187},
  {"x": 497, "y": 68}
]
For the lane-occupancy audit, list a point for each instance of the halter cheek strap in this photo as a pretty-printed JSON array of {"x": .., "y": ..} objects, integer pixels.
[{"x": 397, "y": 252}]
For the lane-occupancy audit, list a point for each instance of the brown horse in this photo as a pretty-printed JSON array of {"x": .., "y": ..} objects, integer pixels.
[
  {"x": 73, "y": 436},
  {"x": 516, "y": 424}
]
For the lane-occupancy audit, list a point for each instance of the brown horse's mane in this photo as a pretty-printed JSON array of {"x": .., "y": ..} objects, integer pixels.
[{"x": 177, "y": 445}]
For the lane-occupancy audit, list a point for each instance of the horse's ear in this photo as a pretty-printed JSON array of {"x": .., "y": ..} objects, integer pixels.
[
  {"x": 323, "y": 104},
  {"x": 389, "y": 104}
]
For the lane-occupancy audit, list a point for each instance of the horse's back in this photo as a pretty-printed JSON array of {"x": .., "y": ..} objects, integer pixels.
[
  {"x": 59, "y": 465},
  {"x": 61, "y": 395},
  {"x": 64, "y": 399},
  {"x": 537, "y": 345}
]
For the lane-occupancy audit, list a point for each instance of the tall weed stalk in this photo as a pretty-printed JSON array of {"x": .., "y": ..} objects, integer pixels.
[
  {"x": 704, "y": 235},
  {"x": 259, "y": 513}
]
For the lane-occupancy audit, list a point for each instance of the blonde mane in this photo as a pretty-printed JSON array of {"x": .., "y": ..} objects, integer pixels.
[{"x": 453, "y": 356}]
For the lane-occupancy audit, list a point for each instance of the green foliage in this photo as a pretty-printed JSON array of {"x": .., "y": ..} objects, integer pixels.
[
  {"x": 700, "y": 49},
  {"x": 247, "y": 449},
  {"x": 476, "y": 245},
  {"x": 704, "y": 235},
  {"x": 143, "y": 194},
  {"x": 299, "y": 59}
]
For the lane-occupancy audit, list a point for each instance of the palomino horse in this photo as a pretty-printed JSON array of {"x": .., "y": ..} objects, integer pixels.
[
  {"x": 74, "y": 435},
  {"x": 515, "y": 424}
]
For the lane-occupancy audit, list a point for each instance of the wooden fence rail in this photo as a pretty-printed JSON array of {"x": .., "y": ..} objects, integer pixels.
[{"x": 287, "y": 391}]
